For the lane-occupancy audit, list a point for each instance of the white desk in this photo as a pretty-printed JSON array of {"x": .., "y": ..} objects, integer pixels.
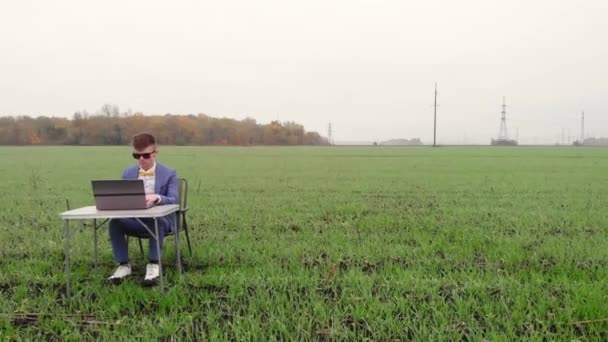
[{"x": 91, "y": 213}]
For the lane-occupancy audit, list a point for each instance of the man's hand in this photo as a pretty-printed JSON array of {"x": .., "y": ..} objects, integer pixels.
[{"x": 151, "y": 199}]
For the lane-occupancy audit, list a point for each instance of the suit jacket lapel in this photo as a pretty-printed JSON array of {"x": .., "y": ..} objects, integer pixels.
[
  {"x": 157, "y": 178},
  {"x": 133, "y": 172}
]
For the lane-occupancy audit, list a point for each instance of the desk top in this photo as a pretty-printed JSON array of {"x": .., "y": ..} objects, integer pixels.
[{"x": 92, "y": 213}]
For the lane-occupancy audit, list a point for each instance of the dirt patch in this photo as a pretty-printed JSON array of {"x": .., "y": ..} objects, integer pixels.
[
  {"x": 461, "y": 328},
  {"x": 7, "y": 288},
  {"x": 331, "y": 293},
  {"x": 315, "y": 262},
  {"x": 358, "y": 326},
  {"x": 450, "y": 291},
  {"x": 371, "y": 267}
]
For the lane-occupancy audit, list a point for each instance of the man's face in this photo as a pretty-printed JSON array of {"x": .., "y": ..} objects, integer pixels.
[{"x": 146, "y": 157}]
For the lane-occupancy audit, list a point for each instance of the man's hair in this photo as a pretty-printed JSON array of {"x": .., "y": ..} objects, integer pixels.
[{"x": 143, "y": 140}]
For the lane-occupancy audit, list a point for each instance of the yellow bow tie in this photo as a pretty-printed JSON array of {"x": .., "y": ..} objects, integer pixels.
[{"x": 146, "y": 173}]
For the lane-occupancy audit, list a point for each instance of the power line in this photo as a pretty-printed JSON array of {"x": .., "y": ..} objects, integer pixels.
[
  {"x": 583, "y": 128},
  {"x": 435, "y": 119}
]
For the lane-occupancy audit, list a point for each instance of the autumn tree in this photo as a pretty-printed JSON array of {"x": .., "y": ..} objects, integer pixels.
[{"x": 109, "y": 127}]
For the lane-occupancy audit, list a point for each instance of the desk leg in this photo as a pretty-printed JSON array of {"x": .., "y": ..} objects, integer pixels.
[
  {"x": 95, "y": 242},
  {"x": 160, "y": 256},
  {"x": 66, "y": 252},
  {"x": 177, "y": 251}
]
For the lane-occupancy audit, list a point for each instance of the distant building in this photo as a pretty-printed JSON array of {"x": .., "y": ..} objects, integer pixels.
[
  {"x": 593, "y": 142},
  {"x": 403, "y": 142},
  {"x": 503, "y": 142}
]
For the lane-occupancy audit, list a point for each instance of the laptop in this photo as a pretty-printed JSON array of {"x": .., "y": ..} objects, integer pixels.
[{"x": 120, "y": 194}]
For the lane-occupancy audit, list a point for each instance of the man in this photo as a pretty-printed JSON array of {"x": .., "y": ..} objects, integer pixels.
[{"x": 160, "y": 183}]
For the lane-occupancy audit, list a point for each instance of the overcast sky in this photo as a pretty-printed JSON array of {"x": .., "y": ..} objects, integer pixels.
[{"x": 368, "y": 66}]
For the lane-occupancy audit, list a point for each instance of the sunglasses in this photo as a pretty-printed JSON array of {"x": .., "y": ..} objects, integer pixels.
[{"x": 145, "y": 155}]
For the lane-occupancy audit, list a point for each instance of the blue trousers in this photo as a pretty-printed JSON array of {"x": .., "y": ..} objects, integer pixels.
[{"x": 120, "y": 228}]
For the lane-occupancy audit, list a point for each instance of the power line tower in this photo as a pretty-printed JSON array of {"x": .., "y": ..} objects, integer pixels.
[
  {"x": 330, "y": 138},
  {"x": 435, "y": 119},
  {"x": 583, "y": 128},
  {"x": 503, "y": 133}
]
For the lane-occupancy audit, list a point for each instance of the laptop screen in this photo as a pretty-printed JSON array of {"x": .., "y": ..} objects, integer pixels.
[{"x": 119, "y": 194}]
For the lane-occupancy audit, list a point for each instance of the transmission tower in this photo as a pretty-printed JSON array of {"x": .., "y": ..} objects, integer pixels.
[
  {"x": 330, "y": 138},
  {"x": 503, "y": 133}
]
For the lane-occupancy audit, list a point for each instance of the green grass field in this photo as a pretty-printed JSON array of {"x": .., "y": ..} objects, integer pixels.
[{"x": 322, "y": 243}]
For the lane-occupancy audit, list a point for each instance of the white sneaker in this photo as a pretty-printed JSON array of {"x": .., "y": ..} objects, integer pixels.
[
  {"x": 152, "y": 274},
  {"x": 121, "y": 272}
]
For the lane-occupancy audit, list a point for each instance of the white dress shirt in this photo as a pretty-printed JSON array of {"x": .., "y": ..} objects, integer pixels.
[{"x": 149, "y": 181}]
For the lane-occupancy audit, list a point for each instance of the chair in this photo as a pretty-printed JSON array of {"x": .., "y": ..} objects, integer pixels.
[{"x": 182, "y": 222}]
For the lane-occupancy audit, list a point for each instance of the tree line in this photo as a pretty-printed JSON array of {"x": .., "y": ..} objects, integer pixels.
[{"x": 113, "y": 128}]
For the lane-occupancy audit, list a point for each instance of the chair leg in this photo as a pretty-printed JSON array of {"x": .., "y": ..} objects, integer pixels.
[
  {"x": 185, "y": 223},
  {"x": 141, "y": 248}
]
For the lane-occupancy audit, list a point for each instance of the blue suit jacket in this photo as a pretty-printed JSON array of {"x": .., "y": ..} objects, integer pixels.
[{"x": 165, "y": 185}]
